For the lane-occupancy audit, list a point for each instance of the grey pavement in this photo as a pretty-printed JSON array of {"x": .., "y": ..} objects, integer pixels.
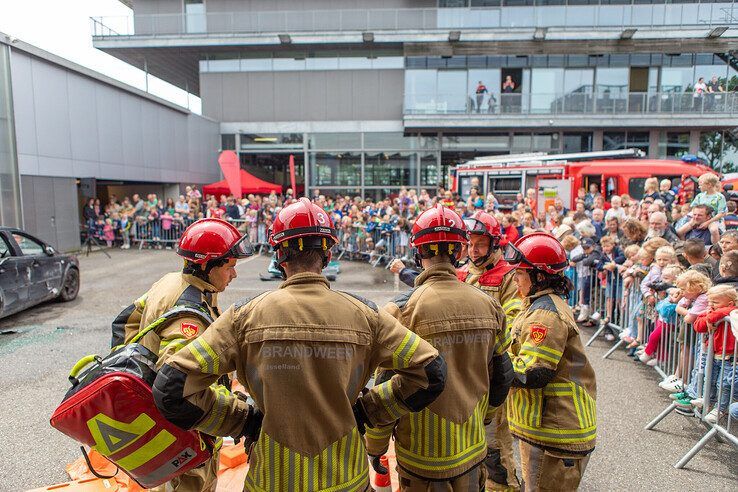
[{"x": 40, "y": 345}]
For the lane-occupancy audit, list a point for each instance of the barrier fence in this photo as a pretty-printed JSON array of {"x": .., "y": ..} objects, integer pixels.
[{"x": 674, "y": 350}]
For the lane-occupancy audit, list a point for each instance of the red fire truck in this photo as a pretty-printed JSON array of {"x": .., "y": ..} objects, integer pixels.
[{"x": 561, "y": 175}]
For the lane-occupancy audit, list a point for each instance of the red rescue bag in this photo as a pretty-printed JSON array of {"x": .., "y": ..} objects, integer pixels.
[{"x": 111, "y": 408}]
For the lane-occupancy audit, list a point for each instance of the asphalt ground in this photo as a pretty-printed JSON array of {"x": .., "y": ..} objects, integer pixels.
[{"x": 40, "y": 345}]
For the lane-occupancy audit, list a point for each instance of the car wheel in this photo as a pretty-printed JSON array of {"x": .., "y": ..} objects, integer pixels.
[{"x": 70, "y": 287}]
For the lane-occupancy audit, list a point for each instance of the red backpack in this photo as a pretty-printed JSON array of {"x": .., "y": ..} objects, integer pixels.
[{"x": 111, "y": 409}]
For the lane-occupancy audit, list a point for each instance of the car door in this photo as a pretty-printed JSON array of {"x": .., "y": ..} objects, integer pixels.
[
  {"x": 15, "y": 277},
  {"x": 46, "y": 270}
]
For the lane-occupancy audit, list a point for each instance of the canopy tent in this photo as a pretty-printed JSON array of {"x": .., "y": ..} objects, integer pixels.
[{"x": 249, "y": 184}]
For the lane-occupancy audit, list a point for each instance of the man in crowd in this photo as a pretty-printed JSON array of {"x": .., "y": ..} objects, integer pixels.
[
  {"x": 696, "y": 228},
  {"x": 696, "y": 255},
  {"x": 658, "y": 226}
]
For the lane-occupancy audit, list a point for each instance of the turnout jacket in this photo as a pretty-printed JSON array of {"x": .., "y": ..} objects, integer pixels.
[
  {"x": 496, "y": 279},
  {"x": 552, "y": 402},
  {"x": 467, "y": 327},
  {"x": 174, "y": 290},
  {"x": 304, "y": 353}
]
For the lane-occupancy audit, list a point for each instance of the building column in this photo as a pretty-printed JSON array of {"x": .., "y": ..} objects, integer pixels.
[
  {"x": 694, "y": 142},
  {"x": 653, "y": 144},
  {"x": 597, "y": 140}
]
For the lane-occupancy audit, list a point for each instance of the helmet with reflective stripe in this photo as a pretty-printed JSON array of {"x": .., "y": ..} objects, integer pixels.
[
  {"x": 302, "y": 219},
  {"x": 438, "y": 225},
  {"x": 539, "y": 251},
  {"x": 212, "y": 239},
  {"x": 483, "y": 223}
]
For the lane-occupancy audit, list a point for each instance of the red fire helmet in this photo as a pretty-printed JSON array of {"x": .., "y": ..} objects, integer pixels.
[
  {"x": 302, "y": 219},
  {"x": 539, "y": 250},
  {"x": 212, "y": 239},
  {"x": 438, "y": 225},
  {"x": 483, "y": 223}
]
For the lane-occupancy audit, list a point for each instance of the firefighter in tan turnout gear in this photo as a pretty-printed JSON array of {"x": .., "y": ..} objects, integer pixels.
[
  {"x": 490, "y": 272},
  {"x": 304, "y": 353},
  {"x": 551, "y": 408},
  {"x": 183, "y": 305},
  {"x": 443, "y": 446}
]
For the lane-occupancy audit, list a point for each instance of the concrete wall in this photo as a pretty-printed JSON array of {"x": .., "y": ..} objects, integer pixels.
[
  {"x": 303, "y": 96},
  {"x": 68, "y": 124}
]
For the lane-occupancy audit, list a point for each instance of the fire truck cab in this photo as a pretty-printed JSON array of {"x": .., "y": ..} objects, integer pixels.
[{"x": 562, "y": 175}]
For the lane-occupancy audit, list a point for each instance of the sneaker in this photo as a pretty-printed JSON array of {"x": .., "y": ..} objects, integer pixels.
[
  {"x": 696, "y": 402},
  {"x": 583, "y": 314},
  {"x": 609, "y": 337},
  {"x": 674, "y": 386},
  {"x": 644, "y": 357},
  {"x": 689, "y": 412},
  {"x": 679, "y": 396},
  {"x": 684, "y": 402},
  {"x": 712, "y": 417},
  {"x": 653, "y": 362},
  {"x": 667, "y": 380},
  {"x": 595, "y": 317}
]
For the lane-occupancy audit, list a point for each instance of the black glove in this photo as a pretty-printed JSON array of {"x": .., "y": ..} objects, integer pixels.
[
  {"x": 362, "y": 419},
  {"x": 502, "y": 377},
  {"x": 377, "y": 465},
  {"x": 252, "y": 427}
]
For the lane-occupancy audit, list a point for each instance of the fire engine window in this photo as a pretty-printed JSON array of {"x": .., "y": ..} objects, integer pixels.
[
  {"x": 503, "y": 185},
  {"x": 635, "y": 187}
]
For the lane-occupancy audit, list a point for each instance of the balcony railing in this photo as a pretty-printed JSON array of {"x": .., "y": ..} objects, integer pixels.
[
  {"x": 644, "y": 103},
  {"x": 580, "y": 16}
]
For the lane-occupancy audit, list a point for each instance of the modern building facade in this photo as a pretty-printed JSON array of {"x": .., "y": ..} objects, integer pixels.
[
  {"x": 68, "y": 133},
  {"x": 373, "y": 96}
]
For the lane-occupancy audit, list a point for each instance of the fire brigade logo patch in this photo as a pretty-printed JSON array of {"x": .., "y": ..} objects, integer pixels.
[
  {"x": 189, "y": 330},
  {"x": 538, "y": 333}
]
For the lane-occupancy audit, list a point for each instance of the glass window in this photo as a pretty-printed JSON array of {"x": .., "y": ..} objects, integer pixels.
[
  {"x": 613, "y": 140},
  {"x": 521, "y": 142},
  {"x": 484, "y": 101},
  {"x": 335, "y": 169},
  {"x": 499, "y": 143},
  {"x": 28, "y": 246},
  {"x": 429, "y": 172},
  {"x": 577, "y": 142},
  {"x": 195, "y": 17},
  {"x": 719, "y": 150},
  {"x": 611, "y": 81},
  {"x": 4, "y": 248},
  {"x": 453, "y": 4},
  {"x": 345, "y": 192},
  {"x": 420, "y": 90},
  {"x": 452, "y": 91},
  {"x": 389, "y": 140},
  {"x": 578, "y": 81},
  {"x": 547, "y": 85},
  {"x": 673, "y": 144},
  {"x": 228, "y": 141},
  {"x": 390, "y": 169},
  {"x": 677, "y": 79},
  {"x": 334, "y": 141},
  {"x": 637, "y": 140}
]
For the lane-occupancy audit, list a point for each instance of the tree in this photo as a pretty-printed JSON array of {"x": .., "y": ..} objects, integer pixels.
[{"x": 719, "y": 150}]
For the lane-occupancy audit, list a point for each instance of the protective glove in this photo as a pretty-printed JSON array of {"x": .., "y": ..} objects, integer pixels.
[
  {"x": 362, "y": 419},
  {"x": 377, "y": 465},
  {"x": 252, "y": 427}
]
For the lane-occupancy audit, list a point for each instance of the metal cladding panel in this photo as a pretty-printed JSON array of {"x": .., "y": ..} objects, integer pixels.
[
  {"x": 110, "y": 130},
  {"x": 132, "y": 131},
  {"x": 51, "y": 105},
  {"x": 211, "y": 95},
  {"x": 83, "y": 119},
  {"x": 25, "y": 116},
  {"x": 66, "y": 214}
]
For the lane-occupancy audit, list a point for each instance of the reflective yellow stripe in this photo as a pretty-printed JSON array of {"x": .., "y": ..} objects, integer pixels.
[
  {"x": 514, "y": 303},
  {"x": 543, "y": 348},
  {"x": 389, "y": 401},
  {"x": 205, "y": 355},
  {"x": 404, "y": 352},
  {"x": 379, "y": 432},
  {"x": 146, "y": 452}
]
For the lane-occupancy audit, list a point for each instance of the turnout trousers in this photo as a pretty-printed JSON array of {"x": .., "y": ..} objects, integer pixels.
[
  {"x": 471, "y": 481},
  {"x": 500, "y": 462},
  {"x": 549, "y": 471}
]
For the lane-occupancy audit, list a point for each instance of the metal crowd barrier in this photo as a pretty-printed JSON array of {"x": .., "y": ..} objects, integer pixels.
[
  {"x": 374, "y": 246},
  {"x": 157, "y": 232},
  {"x": 677, "y": 349}
]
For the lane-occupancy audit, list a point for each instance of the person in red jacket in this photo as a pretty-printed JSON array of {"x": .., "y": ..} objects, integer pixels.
[{"x": 722, "y": 301}]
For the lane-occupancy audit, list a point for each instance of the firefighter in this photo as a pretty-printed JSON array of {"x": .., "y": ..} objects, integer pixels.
[
  {"x": 443, "y": 447},
  {"x": 489, "y": 271},
  {"x": 304, "y": 353},
  {"x": 185, "y": 303},
  {"x": 551, "y": 408}
]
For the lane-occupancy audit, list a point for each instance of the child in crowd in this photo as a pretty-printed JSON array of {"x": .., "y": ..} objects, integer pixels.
[
  {"x": 640, "y": 268},
  {"x": 692, "y": 301},
  {"x": 710, "y": 195},
  {"x": 666, "y": 309},
  {"x": 721, "y": 301},
  {"x": 108, "y": 232},
  {"x": 611, "y": 258},
  {"x": 572, "y": 248},
  {"x": 252, "y": 226},
  {"x": 125, "y": 231}
]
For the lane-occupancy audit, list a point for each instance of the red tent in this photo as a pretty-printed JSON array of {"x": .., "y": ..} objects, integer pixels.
[{"x": 249, "y": 184}]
